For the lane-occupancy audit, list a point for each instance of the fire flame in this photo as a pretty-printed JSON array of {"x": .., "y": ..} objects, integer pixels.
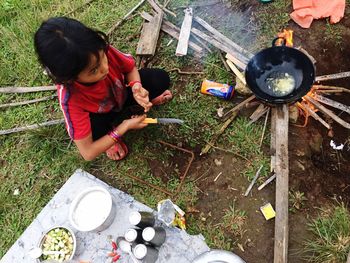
[{"x": 287, "y": 35}]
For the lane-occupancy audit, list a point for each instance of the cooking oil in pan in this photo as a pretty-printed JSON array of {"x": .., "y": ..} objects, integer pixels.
[{"x": 280, "y": 83}]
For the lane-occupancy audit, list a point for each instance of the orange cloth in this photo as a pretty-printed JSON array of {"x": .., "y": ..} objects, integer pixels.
[{"x": 305, "y": 11}]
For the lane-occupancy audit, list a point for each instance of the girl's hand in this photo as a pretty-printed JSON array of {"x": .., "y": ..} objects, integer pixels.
[
  {"x": 135, "y": 123},
  {"x": 141, "y": 96}
]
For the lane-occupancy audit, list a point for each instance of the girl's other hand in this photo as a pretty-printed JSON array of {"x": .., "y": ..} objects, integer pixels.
[{"x": 141, "y": 96}]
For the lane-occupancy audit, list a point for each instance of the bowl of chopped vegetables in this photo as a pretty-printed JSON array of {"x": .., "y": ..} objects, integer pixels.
[{"x": 58, "y": 244}]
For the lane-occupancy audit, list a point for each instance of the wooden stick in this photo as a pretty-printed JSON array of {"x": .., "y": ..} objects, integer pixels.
[
  {"x": 182, "y": 44},
  {"x": 264, "y": 129},
  {"x": 219, "y": 132},
  {"x": 273, "y": 177},
  {"x": 173, "y": 31},
  {"x": 232, "y": 152},
  {"x": 31, "y": 127},
  {"x": 26, "y": 102},
  {"x": 236, "y": 61},
  {"x": 26, "y": 89},
  {"x": 219, "y": 45},
  {"x": 333, "y": 76},
  {"x": 79, "y": 7},
  {"x": 240, "y": 105},
  {"x": 234, "y": 113},
  {"x": 273, "y": 140},
  {"x": 115, "y": 26},
  {"x": 323, "y": 88},
  {"x": 253, "y": 181},
  {"x": 208, "y": 3},
  {"x": 259, "y": 111},
  {"x": 236, "y": 71},
  {"x": 282, "y": 173},
  {"x": 155, "y": 6},
  {"x": 221, "y": 38},
  {"x": 163, "y": 7},
  {"x": 332, "y": 103},
  {"x": 327, "y": 112},
  {"x": 313, "y": 114},
  {"x": 202, "y": 43},
  {"x": 186, "y": 72}
]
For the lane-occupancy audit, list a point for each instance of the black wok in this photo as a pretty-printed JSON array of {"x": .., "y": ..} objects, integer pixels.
[{"x": 278, "y": 60}]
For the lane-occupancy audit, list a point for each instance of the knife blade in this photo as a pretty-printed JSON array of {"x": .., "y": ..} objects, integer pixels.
[{"x": 162, "y": 121}]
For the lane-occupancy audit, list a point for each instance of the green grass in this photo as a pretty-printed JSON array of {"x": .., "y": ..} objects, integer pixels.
[
  {"x": 331, "y": 242},
  {"x": 38, "y": 163}
]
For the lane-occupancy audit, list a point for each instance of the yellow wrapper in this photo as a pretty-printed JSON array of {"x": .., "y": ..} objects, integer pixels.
[{"x": 268, "y": 211}]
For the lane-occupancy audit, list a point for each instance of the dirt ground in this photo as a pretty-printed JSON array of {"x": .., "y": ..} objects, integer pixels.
[{"x": 315, "y": 168}]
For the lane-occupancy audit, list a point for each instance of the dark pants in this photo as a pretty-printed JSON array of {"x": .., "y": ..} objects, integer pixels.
[{"x": 156, "y": 81}]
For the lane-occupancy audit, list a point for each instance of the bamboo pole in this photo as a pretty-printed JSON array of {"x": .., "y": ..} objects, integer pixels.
[
  {"x": 26, "y": 89},
  {"x": 31, "y": 127}
]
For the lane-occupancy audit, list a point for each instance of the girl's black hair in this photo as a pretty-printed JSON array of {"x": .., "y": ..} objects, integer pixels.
[{"x": 64, "y": 47}]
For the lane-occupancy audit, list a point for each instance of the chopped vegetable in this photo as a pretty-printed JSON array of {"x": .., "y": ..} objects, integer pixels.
[{"x": 57, "y": 240}]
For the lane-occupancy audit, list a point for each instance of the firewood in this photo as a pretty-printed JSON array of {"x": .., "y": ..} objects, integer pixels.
[
  {"x": 221, "y": 38},
  {"x": 327, "y": 112},
  {"x": 26, "y": 102},
  {"x": 236, "y": 71},
  {"x": 173, "y": 31},
  {"x": 313, "y": 114},
  {"x": 258, "y": 113},
  {"x": 115, "y": 26},
  {"x": 280, "y": 118},
  {"x": 182, "y": 44},
  {"x": 236, "y": 61},
  {"x": 31, "y": 127},
  {"x": 233, "y": 113},
  {"x": 149, "y": 35},
  {"x": 332, "y": 103},
  {"x": 26, "y": 89},
  {"x": 333, "y": 76}
]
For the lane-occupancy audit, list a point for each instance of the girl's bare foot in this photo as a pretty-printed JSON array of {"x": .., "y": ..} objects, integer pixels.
[{"x": 162, "y": 98}]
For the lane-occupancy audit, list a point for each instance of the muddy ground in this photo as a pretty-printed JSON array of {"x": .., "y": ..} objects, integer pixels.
[{"x": 317, "y": 170}]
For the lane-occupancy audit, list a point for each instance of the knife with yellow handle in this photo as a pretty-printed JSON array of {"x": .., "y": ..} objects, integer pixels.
[{"x": 162, "y": 121}]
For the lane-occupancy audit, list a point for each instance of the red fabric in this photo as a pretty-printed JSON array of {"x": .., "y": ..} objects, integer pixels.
[
  {"x": 305, "y": 11},
  {"x": 79, "y": 100}
]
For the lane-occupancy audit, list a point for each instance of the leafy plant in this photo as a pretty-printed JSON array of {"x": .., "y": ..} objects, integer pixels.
[
  {"x": 297, "y": 200},
  {"x": 331, "y": 242}
]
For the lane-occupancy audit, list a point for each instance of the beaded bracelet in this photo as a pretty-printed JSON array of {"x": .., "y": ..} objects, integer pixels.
[
  {"x": 115, "y": 136},
  {"x": 132, "y": 83}
]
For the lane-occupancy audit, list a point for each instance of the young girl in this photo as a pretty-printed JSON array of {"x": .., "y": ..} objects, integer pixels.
[{"x": 95, "y": 82}]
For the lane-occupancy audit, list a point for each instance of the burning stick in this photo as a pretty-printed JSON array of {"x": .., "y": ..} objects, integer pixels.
[
  {"x": 327, "y": 111},
  {"x": 313, "y": 114},
  {"x": 333, "y": 76},
  {"x": 322, "y": 88},
  {"x": 332, "y": 103}
]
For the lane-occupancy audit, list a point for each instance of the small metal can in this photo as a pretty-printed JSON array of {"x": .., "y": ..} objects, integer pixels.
[
  {"x": 146, "y": 253},
  {"x": 133, "y": 235},
  {"x": 223, "y": 91},
  {"x": 154, "y": 235},
  {"x": 141, "y": 219}
]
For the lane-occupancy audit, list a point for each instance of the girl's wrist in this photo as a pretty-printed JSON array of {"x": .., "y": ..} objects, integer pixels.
[{"x": 132, "y": 83}]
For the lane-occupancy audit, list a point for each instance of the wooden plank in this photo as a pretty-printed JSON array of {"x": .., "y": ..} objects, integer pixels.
[
  {"x": 222, "y": 38},
  {"x": 281, "y": 120},
  {"x": 26, "y": 89},
  {"x": 173, "y": 31},
  {"x": 258, "y": 113},
  {"x": 236, "y": 61},
  {"x": 348, "y": 260},
  {"x": 273, "y": 140},
  {"x": 155, "y": 6},
  {"x": 333, "y": 76},
  {"x": 149, "y": 36},
  {"x": 182, "y": 44},
  {"x": 219, "y": 45}
]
